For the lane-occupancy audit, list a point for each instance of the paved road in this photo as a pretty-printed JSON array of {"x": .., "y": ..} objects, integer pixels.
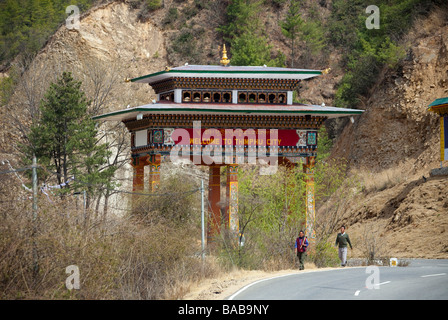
[{"x": 422, "y": 279}]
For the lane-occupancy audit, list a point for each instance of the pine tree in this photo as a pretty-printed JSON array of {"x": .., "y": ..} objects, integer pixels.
[
  {"x": 89, "y": 164},
  {"x": 250, "y": 50},
  {"x": 291, "y": 26},
  {"x": 64, "y": 138},
  {"x": 241, "y": 16},
  {"x": 245, "y": 33},
  {"x": 310, "y": 32}
]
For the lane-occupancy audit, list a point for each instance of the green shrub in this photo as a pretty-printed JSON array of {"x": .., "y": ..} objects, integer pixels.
[
  {"x": 171, "y": 16},
  {"x": 154, "y": 4},
  {"x": 367, "y": 51},
  {"x": 324, "y": 255}
]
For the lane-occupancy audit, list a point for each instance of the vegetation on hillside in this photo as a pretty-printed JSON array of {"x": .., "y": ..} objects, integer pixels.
[
  {"x": 25, "y": 25},
  {"x": 367, "y": 50},
  {"x": 247, "y": 37}
]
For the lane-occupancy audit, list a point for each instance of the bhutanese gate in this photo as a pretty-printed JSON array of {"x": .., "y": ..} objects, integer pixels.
[{"x": 222, "y": 115}]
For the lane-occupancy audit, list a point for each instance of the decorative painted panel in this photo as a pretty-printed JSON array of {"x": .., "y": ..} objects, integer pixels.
[
  {"x": 157, "y": 136},
  {"x": 311, "y": 138}
]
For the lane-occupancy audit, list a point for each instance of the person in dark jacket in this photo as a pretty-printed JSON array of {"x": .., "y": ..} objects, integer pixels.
[
  {"x": 300, "y": 249},
  {"x": 342, "y": 239}
]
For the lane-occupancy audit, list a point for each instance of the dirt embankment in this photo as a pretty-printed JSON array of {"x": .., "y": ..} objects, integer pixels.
[
  {"x": 394, "y": 145},
  {"x": 408, "y": 220},
  {"x": 396, "y": 129}
]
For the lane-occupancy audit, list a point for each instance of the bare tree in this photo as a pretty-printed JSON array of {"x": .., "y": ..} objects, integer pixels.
[
  {"x": 117, "y": 137},
  {"x": 372, "y": 244},
  {"x": 23, "y": 106},
  {"x": 101, "y": 80},
  {"x": 334, "y": 191}
]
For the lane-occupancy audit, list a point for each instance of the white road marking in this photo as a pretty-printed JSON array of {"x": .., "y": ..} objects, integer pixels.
[
  {"x": 434, "y": 275},
  {"x": 375, "y": 285},
  {"x": 250, "y": 285}
]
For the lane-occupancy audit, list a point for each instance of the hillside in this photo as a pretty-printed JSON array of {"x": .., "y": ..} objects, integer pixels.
[
  {"x": 395, "y": 143},
  {"x": 390, "y": 149},
  {"x": 396, "y": 128}
]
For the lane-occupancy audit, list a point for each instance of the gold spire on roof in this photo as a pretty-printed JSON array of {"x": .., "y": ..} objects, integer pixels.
[
  {"x": 224, "y": 61},
  {"x": 326, "y": 71}
]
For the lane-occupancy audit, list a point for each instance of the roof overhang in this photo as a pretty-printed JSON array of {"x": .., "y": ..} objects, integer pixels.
[
  {"x": 228, "y": 109},
  {"x": 439, "y": 106},
  {"x": 250, "y": 72}
]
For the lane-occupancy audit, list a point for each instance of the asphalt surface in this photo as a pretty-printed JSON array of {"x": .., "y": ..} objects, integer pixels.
[{"x": 420, "y": 280}]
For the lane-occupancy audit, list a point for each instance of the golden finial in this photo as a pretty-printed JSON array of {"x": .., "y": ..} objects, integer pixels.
[
  {"x": 326, "y": 71},
  {"x": 224, "y": 61},
  {"x": 127, "y": 80}
]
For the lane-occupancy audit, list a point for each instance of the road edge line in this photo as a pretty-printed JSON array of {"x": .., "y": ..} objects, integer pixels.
[{"x": 281, "y": 276}]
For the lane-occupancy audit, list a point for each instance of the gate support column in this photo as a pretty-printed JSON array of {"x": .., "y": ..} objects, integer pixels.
[
  {"x": 154, "y": 172},
  {"x": 138, "y": 179},
  {"x": 310, "y": 202},
  {"x": 232, "y": 222},
  {"x": 214, "y": 198}
]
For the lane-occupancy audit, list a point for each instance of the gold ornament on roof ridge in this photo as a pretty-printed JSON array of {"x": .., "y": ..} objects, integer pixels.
[
  {"x": 326, "y": 71},
  {"x": 224, "y": 61}
]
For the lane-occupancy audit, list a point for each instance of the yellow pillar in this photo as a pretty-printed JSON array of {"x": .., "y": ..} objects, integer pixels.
[
  {"x": 232, "y": 199},
  {"x": 310, "y": 202},
  {"x": 154, "y": 172}
]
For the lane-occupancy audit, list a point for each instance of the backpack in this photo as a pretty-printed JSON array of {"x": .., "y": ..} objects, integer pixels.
[{"x": 303, "y": 247}]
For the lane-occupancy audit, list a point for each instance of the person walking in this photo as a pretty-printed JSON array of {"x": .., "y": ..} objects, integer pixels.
[
  {"x": 342, "y": 239},
  {"x": 300, "y": 249}
]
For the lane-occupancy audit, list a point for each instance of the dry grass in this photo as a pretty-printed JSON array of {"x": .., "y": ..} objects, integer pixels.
[
  {"x": 379, "y": 181},
  {"x": 134, "y": 257}
]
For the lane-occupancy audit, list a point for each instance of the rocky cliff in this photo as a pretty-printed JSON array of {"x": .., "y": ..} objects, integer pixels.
[
  {"x": 393, "y": 146},
  {"x": 396, "y": 127}
]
